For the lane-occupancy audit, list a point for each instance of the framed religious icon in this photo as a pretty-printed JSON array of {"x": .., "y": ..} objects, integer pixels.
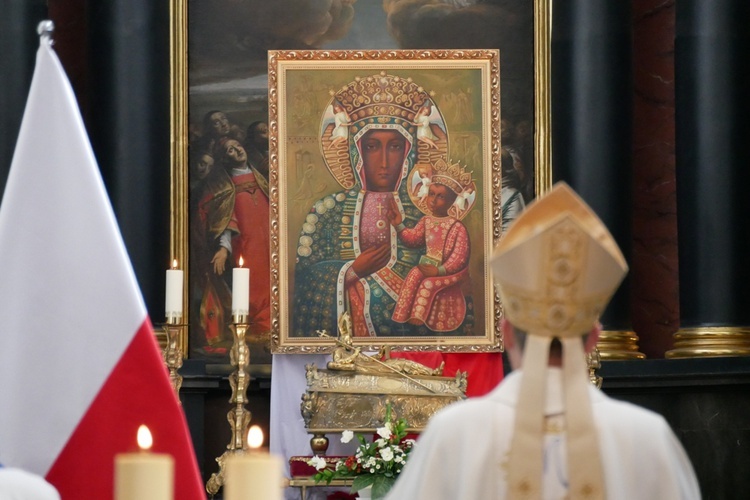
[
  {"x": 482, "y": 120},
  {"x": 385, "y": 197}
]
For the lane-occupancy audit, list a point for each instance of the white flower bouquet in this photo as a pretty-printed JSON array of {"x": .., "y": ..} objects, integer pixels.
[{"x": 377, "y": 463}]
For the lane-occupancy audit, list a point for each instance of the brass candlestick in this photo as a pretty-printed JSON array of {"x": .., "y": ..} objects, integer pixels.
[
  {"x": 238, "y": 417},
  {"x": 172, "y": 353}
]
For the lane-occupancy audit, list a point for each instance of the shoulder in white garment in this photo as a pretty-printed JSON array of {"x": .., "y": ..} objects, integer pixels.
[{"x": 17, "y": 484}]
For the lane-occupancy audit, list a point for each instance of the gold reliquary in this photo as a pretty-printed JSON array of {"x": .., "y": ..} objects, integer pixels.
[{"x": 354, "y": 389}]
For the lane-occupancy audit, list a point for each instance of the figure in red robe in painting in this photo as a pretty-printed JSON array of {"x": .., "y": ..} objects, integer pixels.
[
  {"x": 432, "y": 291},
  {"x": 231, "y": 220},
  {"x": 212, "y": 199},
  {"x": 250, "y": 232}
]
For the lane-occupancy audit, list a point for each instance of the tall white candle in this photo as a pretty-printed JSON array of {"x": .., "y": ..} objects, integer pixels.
[
  {"x": 144, "y": 475},
  {"x": 173, "y": 302},
  {"x": 240, "y": 290}
]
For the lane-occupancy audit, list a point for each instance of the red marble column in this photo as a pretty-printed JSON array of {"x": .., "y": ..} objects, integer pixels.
[{"x": 655, "y": 308}]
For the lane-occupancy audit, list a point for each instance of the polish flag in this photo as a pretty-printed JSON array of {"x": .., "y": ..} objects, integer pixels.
[{"x": 80, "y": 369}]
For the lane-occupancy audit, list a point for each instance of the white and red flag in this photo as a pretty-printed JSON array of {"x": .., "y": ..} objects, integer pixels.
[{"x": 80, "y": 369}]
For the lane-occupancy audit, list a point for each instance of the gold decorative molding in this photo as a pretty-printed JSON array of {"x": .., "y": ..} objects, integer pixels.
[
  {"x": 710, "y": 341},
  {"x": 542, "y": 95},
  {"x": 618, "y": 345},
  {"x": 178, "y": 111},
  {"x": 349, "y": 69},
  {"x": 343, "y": 400},
  {"x": 179, "y": 141}
]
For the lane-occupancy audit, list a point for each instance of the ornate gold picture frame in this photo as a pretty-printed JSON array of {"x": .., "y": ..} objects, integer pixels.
[
  {"x": 219, "y": 64},
  {"x": 385, "y": 197}
]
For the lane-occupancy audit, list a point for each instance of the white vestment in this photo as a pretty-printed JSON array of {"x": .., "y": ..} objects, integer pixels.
[
  {"x": 463, "y": 452},
  {"x": 17, "y": 484}
]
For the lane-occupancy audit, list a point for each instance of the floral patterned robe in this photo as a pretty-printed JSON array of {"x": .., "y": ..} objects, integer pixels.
[{"x": 438, "y": 302}]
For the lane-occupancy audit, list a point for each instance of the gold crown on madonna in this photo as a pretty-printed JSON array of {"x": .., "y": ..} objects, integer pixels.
[
  {"x": 381, "y": 95},
  {"x": 557, "y": 266},
  {"x": 451, "y": 175}
]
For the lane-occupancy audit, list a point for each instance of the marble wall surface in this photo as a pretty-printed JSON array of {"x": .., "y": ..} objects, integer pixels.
[{"x": 654, "y": 276}]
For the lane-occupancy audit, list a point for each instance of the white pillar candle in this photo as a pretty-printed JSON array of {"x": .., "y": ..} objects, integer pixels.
[
  {"x": 240, "y": 291},
  {"x": 144, "y": 475},
  {"x": 253, "y": 476},
  {"x": 173, "y": 302}
]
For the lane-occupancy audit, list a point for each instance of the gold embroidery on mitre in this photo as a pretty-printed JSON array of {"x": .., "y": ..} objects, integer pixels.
[
  {"x": 525, "y": 487},
  {"x": 557, "y": 266},
  {"x": 588, "y": 490},
  {"x": 560, "y": 307}
]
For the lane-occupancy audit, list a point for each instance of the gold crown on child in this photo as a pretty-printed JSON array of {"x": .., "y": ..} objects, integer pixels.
[{"x": 452, "y": 175}]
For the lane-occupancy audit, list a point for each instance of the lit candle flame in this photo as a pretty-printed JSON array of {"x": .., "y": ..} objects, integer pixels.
[
  {"x": 241, "y": 261},
  {"x": 144, "y": 438},
  {"x": 254, "y": 437},
  {"x": 174, "y": 264}
]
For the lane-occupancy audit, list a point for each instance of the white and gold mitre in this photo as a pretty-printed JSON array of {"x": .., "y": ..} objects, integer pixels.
[{"x": 557, "y": 266}]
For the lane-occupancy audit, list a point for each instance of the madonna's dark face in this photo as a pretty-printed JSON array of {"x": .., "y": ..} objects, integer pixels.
[{"x": 383, "y": 153}]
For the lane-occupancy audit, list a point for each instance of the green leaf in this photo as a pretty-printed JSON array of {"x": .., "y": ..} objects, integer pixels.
[
  {"x": 363, "y": 481},
  {"x": 381, "y": 486}
]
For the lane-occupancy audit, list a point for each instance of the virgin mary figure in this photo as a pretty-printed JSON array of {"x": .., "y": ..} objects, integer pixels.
[{"x": 348, "y": 254}]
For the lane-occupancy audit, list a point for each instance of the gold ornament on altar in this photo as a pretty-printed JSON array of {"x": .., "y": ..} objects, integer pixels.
[
  {"x": 349, "y": 358},
  {"x": 355, "y": 390}
]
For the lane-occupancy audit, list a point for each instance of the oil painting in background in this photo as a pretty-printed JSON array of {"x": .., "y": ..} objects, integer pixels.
[{"x": 228, "y": 43}]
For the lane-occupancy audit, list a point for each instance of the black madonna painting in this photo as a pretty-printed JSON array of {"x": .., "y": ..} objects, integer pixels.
[
  {"x": 458, "y": 171},
  {"x": 385, "y": 201}
]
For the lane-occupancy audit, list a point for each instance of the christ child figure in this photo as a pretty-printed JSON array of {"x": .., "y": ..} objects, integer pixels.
[{"x": 432, "y": 291}]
